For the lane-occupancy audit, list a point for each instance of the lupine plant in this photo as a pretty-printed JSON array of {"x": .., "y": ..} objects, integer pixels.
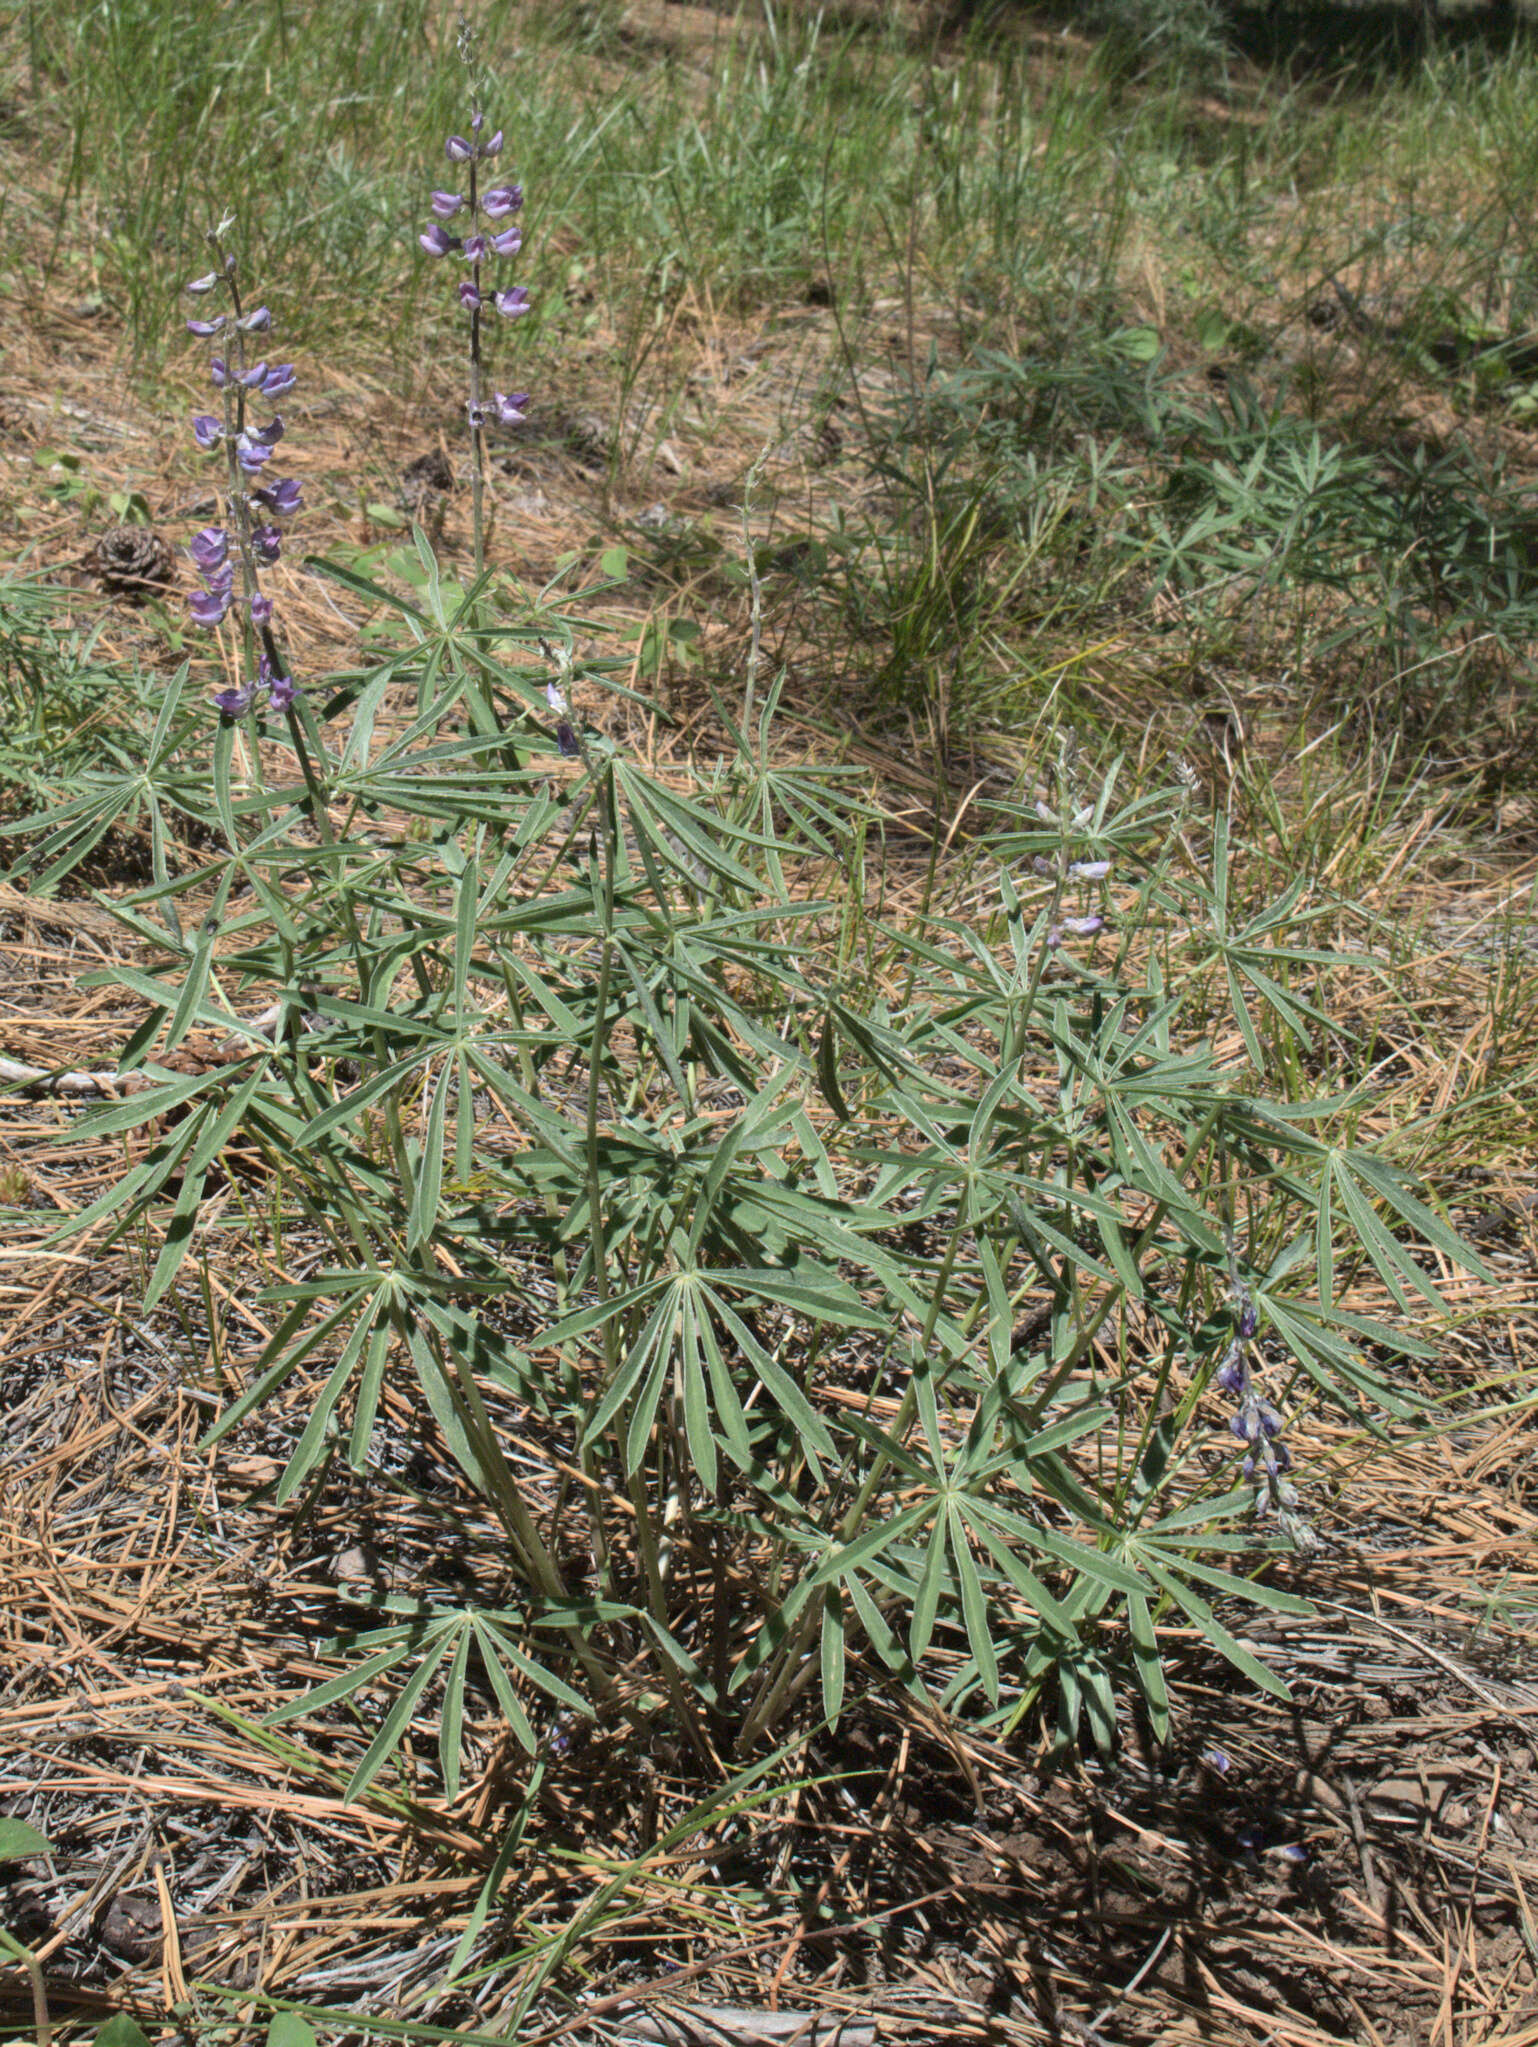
[{"x": 787, "y": 1306}]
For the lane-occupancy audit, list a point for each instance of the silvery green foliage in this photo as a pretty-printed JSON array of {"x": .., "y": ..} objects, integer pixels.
[{"x": 862, "y": 1294}]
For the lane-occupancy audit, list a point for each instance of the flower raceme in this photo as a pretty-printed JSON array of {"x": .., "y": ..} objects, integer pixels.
[
  {"x": 483, "y": 240},
  {"x": 249, "y": 540}
]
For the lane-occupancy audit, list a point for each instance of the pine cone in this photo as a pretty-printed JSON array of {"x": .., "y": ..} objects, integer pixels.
[{"x": 132, "y": 561}]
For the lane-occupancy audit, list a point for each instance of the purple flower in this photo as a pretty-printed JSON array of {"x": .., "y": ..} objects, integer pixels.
[
  {"x": 208, "y": 607},
  {"x": 457, "y": 150},
  {"x": 436, "y": 242},
  {"x": 200, "y": 285},
  {"x": 446, "y": 204},
  {"x": 493, "y": 147},
  {"x": 1230, "y": 1374},
  {"x": 500, "y": 200},
  {"x": 207, "y": 431},
  {"x": 512, "y": 407},
  {"x": 261, "y": 609},
  {"x": 279, "y": 498},
  {"x": 266, "y": 544},
  {"x": 251, "y": 451},
  {"x": 1083, "y": 927},
  {"x": 281, "y": 692},
  {"x": 509, "y": 242},
  {"x": 555, "y": 699},
  {"x": 255, "y": 323},
  {"x": 218, "y": 371},
  {"x": 220, "y": 579},
  {"x": 234, "y": 703},
  {"x": 1089, "y": 870},
  {"x": 511, "y": 303},
  {"x": 468, "y": 295},
  {"x": 278, "y": 379},
  {"x": 566, "y": 740},
  {"x": 475, "y": 248},
  {"x": 207, "y": 327},
  {"x": 210, "y": 549}
]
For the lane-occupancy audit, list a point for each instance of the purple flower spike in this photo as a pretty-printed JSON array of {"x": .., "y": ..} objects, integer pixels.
[
  {"x": 255, "y": 323},
  {"x": 279, "y": 498},
  {"x": 512, "y": 407},
  {"x": 210, "y": 549},
  {"x": 207, "y": 327},
  {"x": 468, "y": 295},
  {"x": 208, "y": 606},
  {"x": 457, "y": 150},
  {"x": 282, "y": 691},
  {"x": 475, "y": 248},
  {"x": 207, "y": 431},
  {"x": 266, "y": 544},
  {"x": 278, "y": 379},
  {"x": 436, "y": 242},
  {"x": 501, "y": 200},
  {"x": 261, "y": 610},
  {"x": 234, "y": 703},
  {"x": 511, "y": 303},
  {"x": 446, "y": 204},
  {"x": 200, "y": 285}
]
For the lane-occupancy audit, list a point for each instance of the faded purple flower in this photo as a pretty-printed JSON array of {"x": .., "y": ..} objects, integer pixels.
[
  {"x": 261, "y": 609},
  {"x": 218, "y": 371},
  {"x": 208, "y": 607},
  {"x": 555, "y": 698},
  {"x": 511, "y": 303},
  {"x": 1089, "y": 870},
  {"x": 437, "y": 242},
  {"x": 280, "y": 498},
  {"x": 493, "y": 147},
  {"x": 475, "y": 248},
  {"x": 509, "y": 242},
  {"x": 207, "y": 327},
  {"x": 446, "y": 204},
  {"x": 256, "y": 322},
  {"x": 210, "y": 549},
  {"x": 501, "y": 200},
  {"x": 200, "y": 285},
  {"x": 512, "y": 407},
  {"x": 266, "y": 544},
  {"x": 457, "y": 150},
  {"x": 469, "y": 297},
  {"x": 234, "y": 703}
]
